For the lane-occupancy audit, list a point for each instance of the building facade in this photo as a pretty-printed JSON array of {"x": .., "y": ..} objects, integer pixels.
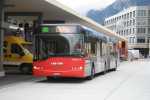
[{"x": 134, "y": 24}]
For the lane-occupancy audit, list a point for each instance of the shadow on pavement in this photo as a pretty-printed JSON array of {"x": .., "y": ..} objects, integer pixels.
[{"x": 62, "y": 80}]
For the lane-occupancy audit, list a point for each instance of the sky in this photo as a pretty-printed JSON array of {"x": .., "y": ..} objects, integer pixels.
[{"x": 83, "y": 6}]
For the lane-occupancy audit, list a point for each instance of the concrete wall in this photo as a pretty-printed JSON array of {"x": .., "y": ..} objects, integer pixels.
[{"x": 1, "y": 37}]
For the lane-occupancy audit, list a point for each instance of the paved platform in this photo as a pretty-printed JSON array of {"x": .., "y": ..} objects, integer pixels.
[{"x": 130, "y": 82}]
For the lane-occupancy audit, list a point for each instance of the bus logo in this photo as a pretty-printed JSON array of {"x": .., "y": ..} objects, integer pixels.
[{"x": 57, "y": 63}]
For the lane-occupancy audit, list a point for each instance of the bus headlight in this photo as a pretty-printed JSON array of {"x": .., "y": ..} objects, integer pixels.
[
  {"x": 35, "y": 67},
  {"x": 80, "y": 67}
]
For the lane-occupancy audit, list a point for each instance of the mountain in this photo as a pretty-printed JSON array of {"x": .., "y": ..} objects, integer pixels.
[{"x": 117, "y": 6}]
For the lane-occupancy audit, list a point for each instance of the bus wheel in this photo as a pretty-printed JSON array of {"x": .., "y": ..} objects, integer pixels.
[
  {"x": 92, "y": 74},
  {"x": 48, "y": 78},
  {"x": 105, "y": 69},
  {"x": 26, "y": 68}
]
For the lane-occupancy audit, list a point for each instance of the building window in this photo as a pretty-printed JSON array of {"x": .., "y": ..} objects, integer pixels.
[
  {"x": 127, "y": 23},
  {"x": 133, "y": 13},
  {"x": 119, "y": 17},
  {"x": 141, "y": 30},
  {"x": 133, "y": 30},
  {"x": 131, "y": 39},
  {"x": 122, "y": 33},
  {"x": 130, "y": 22},
  {"x": 122, "y": 16},
  {"x": 140, "y": 40},
  {"x": 130, "y": 14},
  {"x": 133, "y": 21},
  {"x": 141, "y": 13},
  {"x": 130, "y": 31},
  {"x": 148, "y": 30},
  {"x": 127, "y": 15},
  {"x": 127, "y": 31},
  {"x": 149, "y": 22}
]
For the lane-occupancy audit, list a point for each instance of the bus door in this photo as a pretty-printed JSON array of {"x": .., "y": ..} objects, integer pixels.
[
  {"x": 99, "y": 58},
  {"x": 104, "y": 56},
  {"x": 112, "y": 55}
]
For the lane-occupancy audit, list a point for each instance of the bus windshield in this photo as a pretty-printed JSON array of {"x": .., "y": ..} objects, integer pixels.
[{"x": 59, "y": 45}]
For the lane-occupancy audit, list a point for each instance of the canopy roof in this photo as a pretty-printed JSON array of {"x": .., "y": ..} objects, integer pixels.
[{"x": 53, "y": 10}]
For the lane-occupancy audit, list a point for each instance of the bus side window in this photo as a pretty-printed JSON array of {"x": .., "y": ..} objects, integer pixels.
[
  {"x": 87, "y": 49},
  {"x": 104, "y": 49},
  {"x": 101, "y": 50},
  {"x": 93, "y": 48},
  {"x": 16, "y": 49},
  {"x": 112, "y": 50}
]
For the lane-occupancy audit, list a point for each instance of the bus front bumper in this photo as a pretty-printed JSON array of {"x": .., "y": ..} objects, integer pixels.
[{"x": 69, "y": 73}]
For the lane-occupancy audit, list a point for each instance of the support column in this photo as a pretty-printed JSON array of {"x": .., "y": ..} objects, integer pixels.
[
  {"x": 1, "y": 36},
  {"x": 149, "y": 46}
]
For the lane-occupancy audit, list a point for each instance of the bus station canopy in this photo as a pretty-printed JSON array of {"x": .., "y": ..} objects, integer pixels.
[{"x": 53, "y": 10}]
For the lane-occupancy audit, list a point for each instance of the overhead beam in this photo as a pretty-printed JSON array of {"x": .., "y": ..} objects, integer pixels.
[{"x": 23, "y": 14}]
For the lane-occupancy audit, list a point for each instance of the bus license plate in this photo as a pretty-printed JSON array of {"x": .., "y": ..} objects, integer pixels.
[{"x": 56, "y": 74}]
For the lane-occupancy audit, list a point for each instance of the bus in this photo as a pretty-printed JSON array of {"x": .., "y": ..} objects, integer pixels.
[{"x": 73, "y": 50}]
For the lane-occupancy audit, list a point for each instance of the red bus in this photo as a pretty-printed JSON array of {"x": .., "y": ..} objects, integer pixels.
[{"x": 72, "y": 50}]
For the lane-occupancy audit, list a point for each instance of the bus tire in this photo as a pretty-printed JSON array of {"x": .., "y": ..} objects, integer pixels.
[
  {"x": 26, "y": 68},
  {"x": 48, "y": 78},
  {"x": 105, "y": 69}
]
